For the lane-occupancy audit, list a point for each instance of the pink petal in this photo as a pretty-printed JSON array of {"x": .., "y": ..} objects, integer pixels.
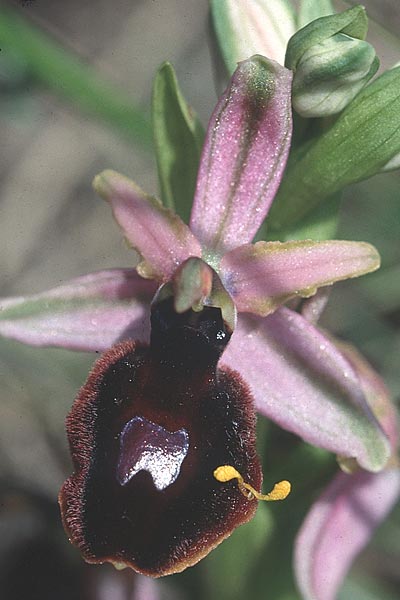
[
  {"x": 260, "y": 277},
  {"x": 159, "y": 235},
  {"x": 376, "y": 392},
  {"x": 244, "y": 155},
  {"x": 88, "y": 313},
  {"x": 301, "y": 381},
  {"x": 338, "y": 526}
]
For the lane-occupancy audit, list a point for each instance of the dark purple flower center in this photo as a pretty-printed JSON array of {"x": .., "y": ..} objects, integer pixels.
[{"x": 147, "y": 432}]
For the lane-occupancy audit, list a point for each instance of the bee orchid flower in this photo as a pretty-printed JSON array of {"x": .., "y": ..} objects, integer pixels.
[{"x": 196, "y": 338}]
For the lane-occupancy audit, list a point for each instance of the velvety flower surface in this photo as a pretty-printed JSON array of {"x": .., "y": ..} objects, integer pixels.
[
  {"x": 296, "y": 375},
  {"x": 146, "y": 432}
]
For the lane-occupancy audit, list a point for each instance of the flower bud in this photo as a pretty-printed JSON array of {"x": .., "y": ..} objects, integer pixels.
[
  {"x": 331, "y": 74},
  {"x": 331, "y": 61}
]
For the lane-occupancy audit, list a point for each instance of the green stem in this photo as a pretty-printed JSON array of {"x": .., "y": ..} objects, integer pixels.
[{"x": 65, "y": 74}]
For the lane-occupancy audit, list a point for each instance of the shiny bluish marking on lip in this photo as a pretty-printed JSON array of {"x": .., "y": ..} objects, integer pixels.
[{"x": 146, "y": 446}]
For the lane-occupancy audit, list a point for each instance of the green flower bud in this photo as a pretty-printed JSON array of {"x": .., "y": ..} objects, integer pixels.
[
  {"x": 330, "y": 75},
  {"x": 331, "y": 61}
]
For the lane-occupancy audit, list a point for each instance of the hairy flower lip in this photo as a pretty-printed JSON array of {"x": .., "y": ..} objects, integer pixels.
[{"x": 158, "y": 531}]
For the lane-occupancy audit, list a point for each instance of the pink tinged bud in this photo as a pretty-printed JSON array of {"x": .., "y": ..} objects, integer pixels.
[{"x": 244, "y": 155}]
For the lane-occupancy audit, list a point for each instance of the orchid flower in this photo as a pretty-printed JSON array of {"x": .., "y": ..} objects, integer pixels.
[{"x": 295, "y": 374}]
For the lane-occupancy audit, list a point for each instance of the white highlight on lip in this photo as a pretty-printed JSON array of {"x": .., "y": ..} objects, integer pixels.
[{"x": 146, "y": 446}]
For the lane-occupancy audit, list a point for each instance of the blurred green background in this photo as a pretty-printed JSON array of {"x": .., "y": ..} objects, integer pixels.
[{"x": 53, "y": 228}]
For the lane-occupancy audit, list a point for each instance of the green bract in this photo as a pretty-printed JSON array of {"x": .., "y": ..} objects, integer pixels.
[{"x": 178, "y": 139}]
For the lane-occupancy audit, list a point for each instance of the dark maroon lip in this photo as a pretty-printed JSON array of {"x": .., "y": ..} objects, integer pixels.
[{"x": 146, "y": 432}]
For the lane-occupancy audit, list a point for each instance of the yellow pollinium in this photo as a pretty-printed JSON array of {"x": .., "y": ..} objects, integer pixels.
[{"x": 226, "y": 473}]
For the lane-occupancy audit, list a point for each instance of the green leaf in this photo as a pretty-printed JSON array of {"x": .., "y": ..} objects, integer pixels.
[
  {"x": 352, "y": 22},
  {"x": 61, "y": 71},
  {"x": 309, "y": 10},
  {"x": 230, "y": 565},
  {"x": 178, "y": 139},
  {"x": 364, "y": 138}
]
